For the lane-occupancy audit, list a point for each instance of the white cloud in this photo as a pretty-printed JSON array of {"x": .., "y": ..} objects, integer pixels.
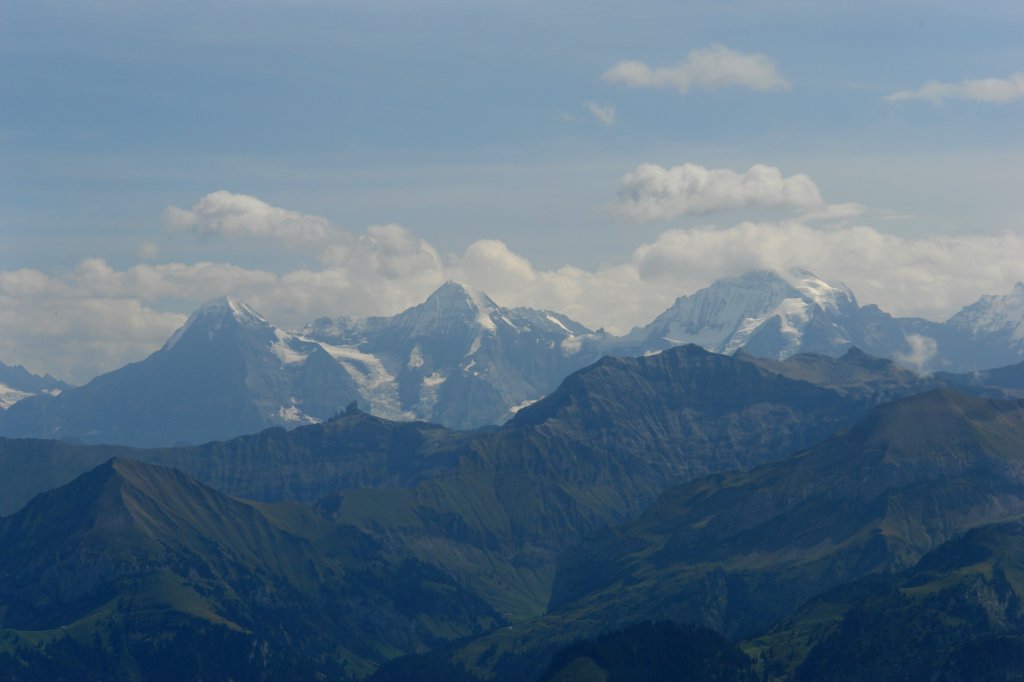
[
  {"x": 709, "y": 68},
  {"x": 602, "y": 113},
  {"x": 652, "y": 192},
  {"x": 991, "y": 90},
  {"x": 930, "y": 277},
  {"x": 491, "y": 263},
  {"x": 834, "y": 212},
  {"x": 921, "y": 351},
  {"x": 53, "y": 324},
  {"x": 239, "y": 215},
  {"x": 614, "y": 295},
  {"x": 95, "y": 317}
]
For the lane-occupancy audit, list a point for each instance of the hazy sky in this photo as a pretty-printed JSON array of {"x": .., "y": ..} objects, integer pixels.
[{"x": 329, "y": 158}]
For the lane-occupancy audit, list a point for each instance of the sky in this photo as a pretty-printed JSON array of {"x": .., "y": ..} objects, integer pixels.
[{"x": 600, "y": 159}]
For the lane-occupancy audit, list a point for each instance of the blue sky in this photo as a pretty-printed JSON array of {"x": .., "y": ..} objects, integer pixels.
[{"x": 472, "y": 126}]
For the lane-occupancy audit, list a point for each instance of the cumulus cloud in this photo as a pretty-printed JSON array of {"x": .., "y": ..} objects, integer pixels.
[
  {"x": 614, "y": 295},
  {"x": 709, "y": 68},
  {"x": 95, "y": 318},
  {"x": 652, "y": 192},
  {"x": 51, "y": 324},
  {"x": 226, "y": 214},
  {"x": 931, "y": 277},
  {"x": 991, "y": 90},
  {"x": 602, "y": 113}
]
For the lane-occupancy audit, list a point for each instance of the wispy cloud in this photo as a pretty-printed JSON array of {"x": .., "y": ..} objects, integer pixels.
[
  {"x": 991, "y": 90},
  {"x": 602, "y": 113},
  {"x": 709, "y": 68}
]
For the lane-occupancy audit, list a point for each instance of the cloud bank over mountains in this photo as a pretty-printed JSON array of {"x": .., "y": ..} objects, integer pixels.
[{"x": 94, "y": 318}]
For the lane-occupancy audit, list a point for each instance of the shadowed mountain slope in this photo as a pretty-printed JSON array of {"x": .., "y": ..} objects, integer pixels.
[
  {"x": 227, "y": 371},
  {"x": 146, "y": 555},
  {"x": 495, "y": 508},
  {"x": 738, "y": 551},
  {"x": 17, "y": 383},
  {"x": 875, "y": 498},
  {"x": 955, "y": 615}
]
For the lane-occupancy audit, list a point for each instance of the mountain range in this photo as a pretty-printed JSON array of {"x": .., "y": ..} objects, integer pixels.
[
  {"x": 775, "y": 315},
  {"x": 466, "y": 526},
  {"x": 131, "y": 549},
  {"x": 461, "y": 360},
  {"x": 457, "y": 358},
  {"x": 17, "y": 383},
  {"x": 725, "y": 491},
  {"x": 510, "y": 499},
  {"x": 741, "y": 551}
]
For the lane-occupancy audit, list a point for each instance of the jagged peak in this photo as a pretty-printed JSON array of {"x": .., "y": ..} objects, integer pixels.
[
  {"x": 827, "y": 295},
  {"x": 455, "y": 293},
  {"x": 994, "y": 313},
  {"x": 214, "y": 313},
  {"x": 227, "y": 304},
  {"x": 452, "y": 301}
]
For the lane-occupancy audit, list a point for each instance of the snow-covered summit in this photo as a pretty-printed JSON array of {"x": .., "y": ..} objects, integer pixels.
[
  {"x": 214, "y": 314},
  {"x": 452, "y": 305},
  {"x": 454, "y": 294},
  {"x": 458, "y": 357},
  {"x": 830, "y": 296},
  {"x": 775, "y": 311},
  {"x": 994, "y": 315}
]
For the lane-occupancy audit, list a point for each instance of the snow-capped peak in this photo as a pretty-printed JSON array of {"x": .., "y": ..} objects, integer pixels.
[
  {"x": 213, "y": 314},
  {"x": 452, "y": 302},
  {"x": 726, "y": 315},
  {"x": 994, "y": 314},
  {"x": 456, "y": 294},
  {"x": 228, "y": 304},
  {"x": 826, "y": 295}
]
